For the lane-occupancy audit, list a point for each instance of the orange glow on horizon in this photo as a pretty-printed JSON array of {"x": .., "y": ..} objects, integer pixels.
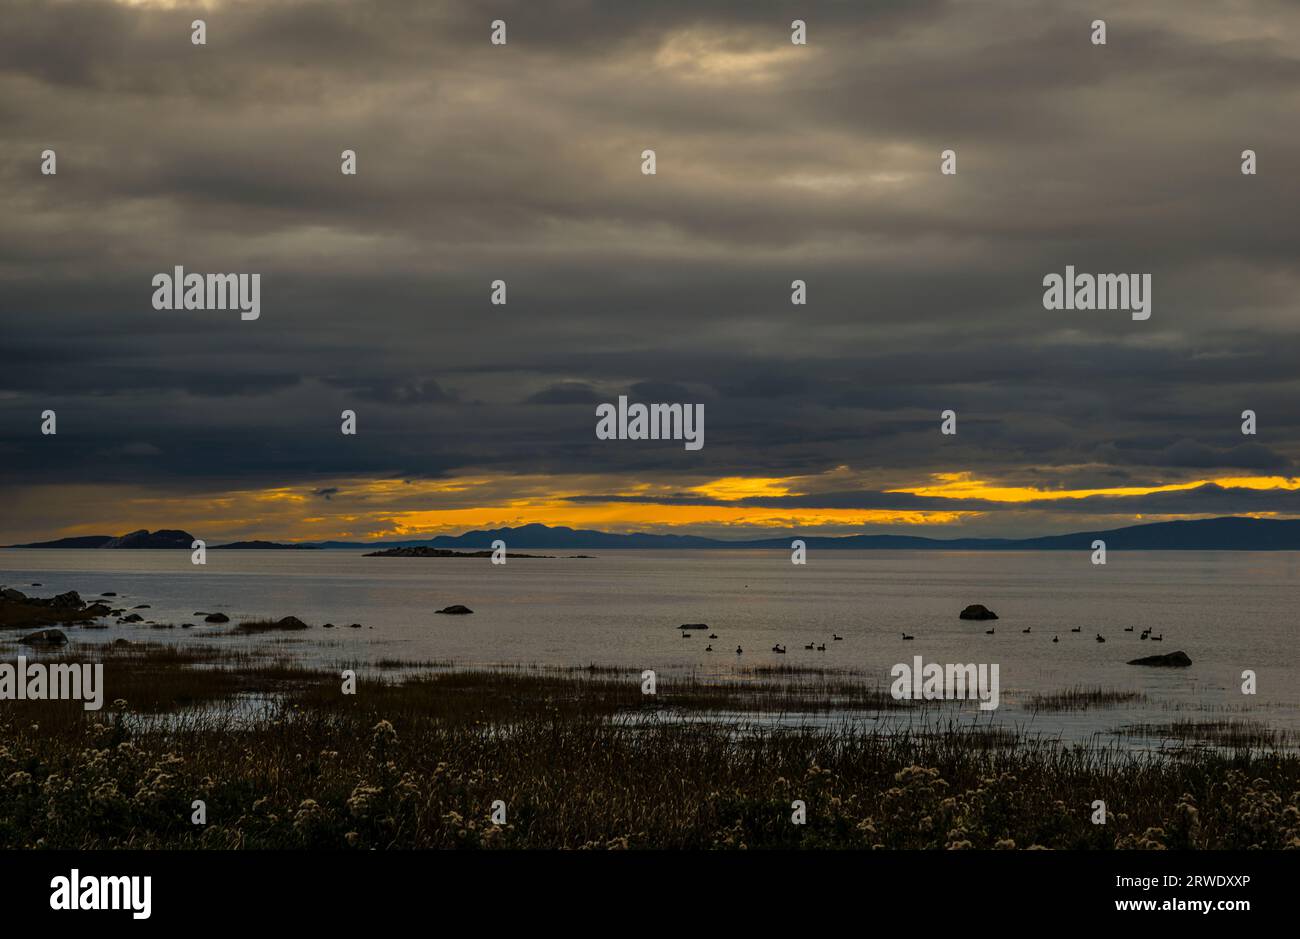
[
  {"x": 369, "y": 509},
  {"x": 963, "y": 486}
]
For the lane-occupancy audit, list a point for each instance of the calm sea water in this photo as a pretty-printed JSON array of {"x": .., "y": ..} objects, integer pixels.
[{"x": 1228, "y": 611}]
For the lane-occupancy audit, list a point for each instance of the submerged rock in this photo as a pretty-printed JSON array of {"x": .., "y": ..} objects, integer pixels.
[
  {"x": 694, "y": 626},
  {"x": 978, "y": 611},
  {"x": 1177, "y": 659},
  {"x": 216, "y": 618},
  {"x": 455, "y": 610}
]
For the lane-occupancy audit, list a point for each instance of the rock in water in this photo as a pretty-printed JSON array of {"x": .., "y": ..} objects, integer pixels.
[
  {"x": 1177, "y": 659},
  {"x": 45, "y": 637},
  {"x": 216, "y": 618},
  {"x": 266, "y": 625},
  {"x": 455, "y": 610},
  {"x": 978, "y": 611}
]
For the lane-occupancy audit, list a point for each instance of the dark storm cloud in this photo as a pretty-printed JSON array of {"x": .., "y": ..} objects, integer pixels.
[
  {"x": 775, "y": 162},
  {"x": 395, "y": 390},
  {"x": 565, "y": 392}
]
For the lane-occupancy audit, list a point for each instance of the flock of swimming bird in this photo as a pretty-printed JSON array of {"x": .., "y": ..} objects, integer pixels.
[{"x": 1146, "y": 634}]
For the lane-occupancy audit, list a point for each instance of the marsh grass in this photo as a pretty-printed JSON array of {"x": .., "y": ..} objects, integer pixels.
[
  {"x": 581, "y": 761},
  {"x": 1232, "y": 734},
  {"x": 1082, "y": 699}
]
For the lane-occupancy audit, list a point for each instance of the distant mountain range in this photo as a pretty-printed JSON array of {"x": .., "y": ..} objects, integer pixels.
[
  {"x": 1212, "y": 534},
  {"x": 163, "y": 538}
]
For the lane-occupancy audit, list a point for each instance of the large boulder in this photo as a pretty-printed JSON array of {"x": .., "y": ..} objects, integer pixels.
[
  {"x": 47, "y": 638},
  {"x": 455, "y": 610},
  {"x": 1177, "y": 659},
  {"x": 978, "y": 611},
  {"x": 216, "y": 618}
]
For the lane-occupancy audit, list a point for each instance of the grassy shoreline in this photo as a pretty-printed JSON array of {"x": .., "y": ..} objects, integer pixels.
[{"x": 581, "y": 760}]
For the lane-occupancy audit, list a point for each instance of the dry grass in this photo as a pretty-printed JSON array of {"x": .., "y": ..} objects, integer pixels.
[{"x": 581, "y": 761}]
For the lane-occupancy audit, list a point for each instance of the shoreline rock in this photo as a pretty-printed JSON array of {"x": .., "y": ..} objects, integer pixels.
[{"x": 48, "y": 638}]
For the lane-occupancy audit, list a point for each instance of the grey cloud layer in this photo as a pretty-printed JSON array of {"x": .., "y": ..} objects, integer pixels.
[{"x": 522, "y": 163}]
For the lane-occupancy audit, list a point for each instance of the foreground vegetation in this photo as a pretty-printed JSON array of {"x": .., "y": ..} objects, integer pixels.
[{"x": 581, "y": 759}]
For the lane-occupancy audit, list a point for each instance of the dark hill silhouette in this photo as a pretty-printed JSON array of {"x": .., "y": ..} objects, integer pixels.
[{"x": 1211, "y": 534}]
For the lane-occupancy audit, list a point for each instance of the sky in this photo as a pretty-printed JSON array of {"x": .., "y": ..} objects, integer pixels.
[{"x": 523, "y": 162}]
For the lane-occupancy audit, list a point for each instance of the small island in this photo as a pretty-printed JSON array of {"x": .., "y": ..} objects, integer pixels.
[{"x": 422, "y": 552}]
